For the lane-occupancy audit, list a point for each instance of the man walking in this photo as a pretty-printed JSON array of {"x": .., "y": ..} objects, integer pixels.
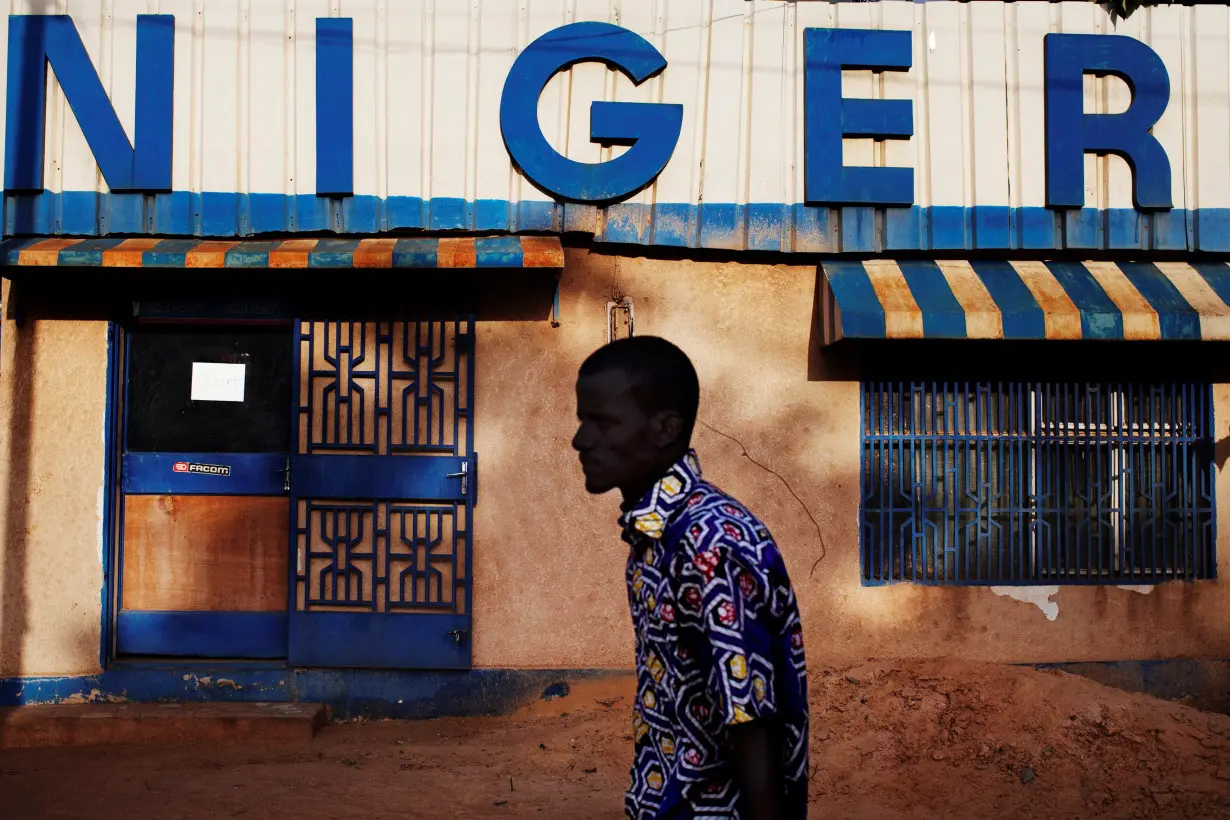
[{"x": 720, "y": 719}]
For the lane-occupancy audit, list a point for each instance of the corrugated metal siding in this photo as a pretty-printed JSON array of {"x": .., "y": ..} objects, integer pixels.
[{"x": 429, "y": 154}]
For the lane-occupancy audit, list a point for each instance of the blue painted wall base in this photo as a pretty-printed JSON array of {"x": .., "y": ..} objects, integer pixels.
[{"x": 349, "y": 693}]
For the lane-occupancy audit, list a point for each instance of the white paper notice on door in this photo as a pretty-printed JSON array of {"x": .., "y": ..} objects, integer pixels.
[{"x": 215, "y": 381}]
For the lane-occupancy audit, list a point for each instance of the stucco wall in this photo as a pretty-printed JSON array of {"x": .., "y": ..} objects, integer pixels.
[
  {"x": 548, "y": 560},
  {"x": 53, "y": 376}
]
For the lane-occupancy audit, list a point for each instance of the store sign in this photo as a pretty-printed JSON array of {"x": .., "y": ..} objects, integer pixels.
[{"x": 650, "y": 129}]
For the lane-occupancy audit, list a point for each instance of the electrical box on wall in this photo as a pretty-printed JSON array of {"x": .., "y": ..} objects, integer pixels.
[{"x": 620, "y": 319}]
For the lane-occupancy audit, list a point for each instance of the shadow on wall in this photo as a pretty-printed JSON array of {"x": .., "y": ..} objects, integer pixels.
[
  {"x": 13, "y": 552},
  {"x": 834, "y": 363},
  {"x": 14, "y": 596}
]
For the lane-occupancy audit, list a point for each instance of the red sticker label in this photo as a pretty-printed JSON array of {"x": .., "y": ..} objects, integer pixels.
[{"x": 180, "y": 467}]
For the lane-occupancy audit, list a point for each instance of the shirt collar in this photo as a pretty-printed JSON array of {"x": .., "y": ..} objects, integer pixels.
[{"x": 649, "y": 516}]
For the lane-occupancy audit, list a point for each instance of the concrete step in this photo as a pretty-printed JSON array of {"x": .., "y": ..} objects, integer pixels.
[{"x": 159, "y": 724}]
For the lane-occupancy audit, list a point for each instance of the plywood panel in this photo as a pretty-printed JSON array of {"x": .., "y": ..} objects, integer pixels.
[{"x": 208, "y": 553}]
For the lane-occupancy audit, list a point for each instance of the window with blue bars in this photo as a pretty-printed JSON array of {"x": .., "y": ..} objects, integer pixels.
[{"x": 1021, "y": 482}]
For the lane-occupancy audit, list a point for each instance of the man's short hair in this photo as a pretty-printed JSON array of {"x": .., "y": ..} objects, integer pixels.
[{"x": 664, "y": 373}]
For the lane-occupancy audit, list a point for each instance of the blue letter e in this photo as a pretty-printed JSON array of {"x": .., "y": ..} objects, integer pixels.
[
  {"x": 828, "y": 117},
  {"x": 1071, "y": 133},
  {"x": 652, "y": 129}
]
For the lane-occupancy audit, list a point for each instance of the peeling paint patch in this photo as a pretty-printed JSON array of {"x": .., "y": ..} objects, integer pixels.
[
  {"x": 1143, "y": 589},
  {"x": 94, "y": 696},
  {"x": 1038, "y": 596}
]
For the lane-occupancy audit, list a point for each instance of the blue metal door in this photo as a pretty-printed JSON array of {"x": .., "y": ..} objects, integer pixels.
[{"x": 382, "y": 487}]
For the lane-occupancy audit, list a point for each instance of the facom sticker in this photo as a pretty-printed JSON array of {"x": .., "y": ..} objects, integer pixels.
[{"x": 201, "y": 469}]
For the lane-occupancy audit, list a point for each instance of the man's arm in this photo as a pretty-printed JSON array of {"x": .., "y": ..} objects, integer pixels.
[
  {"x": 735, "y": 598},
  {"x": 758, "y": 769}
]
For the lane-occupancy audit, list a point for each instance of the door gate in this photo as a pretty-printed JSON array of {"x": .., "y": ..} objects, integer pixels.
[{"x": 382, "y": 486}]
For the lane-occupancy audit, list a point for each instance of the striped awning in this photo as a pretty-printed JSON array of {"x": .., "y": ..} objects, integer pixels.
[
  {"x": 1026, "y": 300},
  {"x": 459, "y": 252}
]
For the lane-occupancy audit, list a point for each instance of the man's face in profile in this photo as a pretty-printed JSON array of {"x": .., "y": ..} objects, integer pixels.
[{"x": 616, "y": 439}]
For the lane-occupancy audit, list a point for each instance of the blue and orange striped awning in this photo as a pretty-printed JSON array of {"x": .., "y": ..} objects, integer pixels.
[
  {"x": 1026, "y": 300},
  {"x": 452, "y": 252}
]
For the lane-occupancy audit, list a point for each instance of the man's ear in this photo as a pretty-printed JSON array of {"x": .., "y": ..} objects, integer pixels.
[{"x": 667, "y": 428}]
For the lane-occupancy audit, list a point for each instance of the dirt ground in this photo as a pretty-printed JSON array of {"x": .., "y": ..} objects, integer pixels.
[{"x": 900, "y": 739}]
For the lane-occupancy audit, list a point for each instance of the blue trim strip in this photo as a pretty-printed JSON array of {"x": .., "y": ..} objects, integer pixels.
[
  {"x": 348, "y": 692},
  {"x": 203, "y": 634},
  {"x": 250, "y": 474},
  {"x": 114, "y": 376},
  {"x": 758, "y": 226},
  {"x": 423, "y": 694}
]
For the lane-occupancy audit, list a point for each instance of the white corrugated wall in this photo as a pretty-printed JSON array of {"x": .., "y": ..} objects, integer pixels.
[{"x": 429, "y": 73}]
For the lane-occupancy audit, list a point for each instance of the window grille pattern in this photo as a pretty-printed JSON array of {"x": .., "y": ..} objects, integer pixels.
[{"x": 1036, "y": 483}]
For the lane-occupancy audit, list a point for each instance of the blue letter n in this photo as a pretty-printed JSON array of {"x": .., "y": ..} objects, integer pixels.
[
  {"x": 1071, "y": 133},
  {"x": 36, "y": 40}
]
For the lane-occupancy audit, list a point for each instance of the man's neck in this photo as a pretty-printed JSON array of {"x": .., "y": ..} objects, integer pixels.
[{"x": 634, "y": 492}]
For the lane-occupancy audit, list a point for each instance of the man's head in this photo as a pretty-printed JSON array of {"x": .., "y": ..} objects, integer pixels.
[{"x": 636, "y": 404}]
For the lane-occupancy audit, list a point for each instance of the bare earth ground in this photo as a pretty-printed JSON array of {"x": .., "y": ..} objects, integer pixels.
[{"x": 895, "y": 739}]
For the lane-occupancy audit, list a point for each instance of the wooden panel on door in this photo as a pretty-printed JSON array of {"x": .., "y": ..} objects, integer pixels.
[{"x": 205, "y": 553}]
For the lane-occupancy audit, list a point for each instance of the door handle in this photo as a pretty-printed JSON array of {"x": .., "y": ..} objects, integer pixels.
[
  {"x": 458, "y": 635},
  {"x": 285, "y": 471},
  {"x": 464, "y": 475}
]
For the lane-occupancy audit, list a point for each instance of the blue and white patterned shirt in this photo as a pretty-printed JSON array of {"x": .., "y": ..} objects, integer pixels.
[{"x": 718, "y": 642}]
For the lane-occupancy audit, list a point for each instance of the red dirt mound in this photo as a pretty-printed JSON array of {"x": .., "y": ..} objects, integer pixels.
[{"x": 894, "y": 739}]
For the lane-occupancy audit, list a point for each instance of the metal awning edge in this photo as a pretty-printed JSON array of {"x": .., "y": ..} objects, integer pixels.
[
  {"x": 960, "y": 299},
  {"x": 459, "y": 253}
]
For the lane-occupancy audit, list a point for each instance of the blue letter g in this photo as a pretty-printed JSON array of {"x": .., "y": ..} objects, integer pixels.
[{"x": 652, "y": 129}]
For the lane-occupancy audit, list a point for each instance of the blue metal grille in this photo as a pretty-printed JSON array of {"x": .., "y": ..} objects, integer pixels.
[
  {"x": 1036, "y": 483},
  {"x": 384, "y": 389},
  {"x": 384, "y": 557}
]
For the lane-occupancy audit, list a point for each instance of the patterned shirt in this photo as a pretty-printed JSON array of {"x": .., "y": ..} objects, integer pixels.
[{"x": 718, "y": 642}]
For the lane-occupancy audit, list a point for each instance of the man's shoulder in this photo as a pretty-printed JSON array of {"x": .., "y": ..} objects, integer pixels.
[{"x": 713, "y": 518}]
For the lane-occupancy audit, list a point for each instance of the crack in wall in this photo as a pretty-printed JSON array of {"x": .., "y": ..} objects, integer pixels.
[{"x": 824, "y": 550}]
